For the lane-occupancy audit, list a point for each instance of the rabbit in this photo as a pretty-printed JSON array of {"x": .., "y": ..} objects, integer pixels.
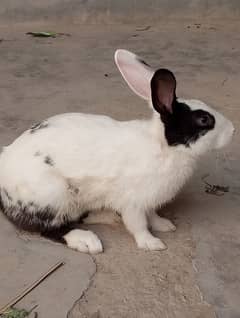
[{"x": 74, "y": 163}]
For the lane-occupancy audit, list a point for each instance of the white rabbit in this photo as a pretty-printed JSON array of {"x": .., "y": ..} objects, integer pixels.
[{"x": 73, "y": 163}]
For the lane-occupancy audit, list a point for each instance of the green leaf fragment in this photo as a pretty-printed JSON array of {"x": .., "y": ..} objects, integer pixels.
[
  {"x": 43, "y": 34},
  {"x": 15, "y": 313}
]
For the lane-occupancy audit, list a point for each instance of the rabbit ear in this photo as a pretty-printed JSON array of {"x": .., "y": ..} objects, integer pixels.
[
  {"x": 136, "y": 72},
  {"x": 163, "y": 90}
]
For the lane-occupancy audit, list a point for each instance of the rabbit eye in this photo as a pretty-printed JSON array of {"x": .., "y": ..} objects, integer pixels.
[
  {"x": 204, "y": 119},
  {"x": 185, "y": 126}
]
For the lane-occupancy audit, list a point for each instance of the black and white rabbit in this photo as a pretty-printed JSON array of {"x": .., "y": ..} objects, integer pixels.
[{"x": 73, "y": 163}]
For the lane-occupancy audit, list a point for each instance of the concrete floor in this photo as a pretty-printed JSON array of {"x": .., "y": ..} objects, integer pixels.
[{"x": 198, "y": 276}]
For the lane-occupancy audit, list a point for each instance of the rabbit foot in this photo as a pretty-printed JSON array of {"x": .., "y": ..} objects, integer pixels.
[
  {"x": 83, "y": 241},
  {"x": 148, "y": 242}
]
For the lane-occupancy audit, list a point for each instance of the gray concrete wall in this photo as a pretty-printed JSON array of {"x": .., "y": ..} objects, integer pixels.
[{"x": 116, "y": 11}]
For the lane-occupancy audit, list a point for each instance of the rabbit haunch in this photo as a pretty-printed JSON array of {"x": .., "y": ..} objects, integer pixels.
[{"x": 72, "y": 163}]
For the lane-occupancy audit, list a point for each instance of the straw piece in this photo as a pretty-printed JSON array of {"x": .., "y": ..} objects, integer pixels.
[{"x": 31, "y": 287}]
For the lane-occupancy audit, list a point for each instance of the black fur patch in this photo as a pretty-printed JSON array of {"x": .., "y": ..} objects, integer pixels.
[
  {"x": 38, "y": 126},
  {"x": 185, "y": 126},
  {"x": 56, "y": 234},
  {"x": 32, "y": 218},
  {"x": 48, "y": 160},
  {"x": 182, "y": 125},
  {"x": 7, "y": 195},
  {"x": 28, "y": 217}
]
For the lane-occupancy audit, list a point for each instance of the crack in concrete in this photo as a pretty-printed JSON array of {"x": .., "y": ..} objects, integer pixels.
[{"x": 85, "y": 290}]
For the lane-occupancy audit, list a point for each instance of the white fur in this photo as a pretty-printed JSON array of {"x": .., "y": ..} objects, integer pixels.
[{"x": 100, "y": 162}]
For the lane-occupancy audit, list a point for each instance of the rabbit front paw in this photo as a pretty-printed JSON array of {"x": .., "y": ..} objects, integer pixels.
[
  {"x": 83, "y": 241},
  {"x": 147, "y": 241}
]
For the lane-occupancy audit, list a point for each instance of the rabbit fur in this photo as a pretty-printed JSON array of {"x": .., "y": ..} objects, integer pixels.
[{"x": 72, "y": 163}]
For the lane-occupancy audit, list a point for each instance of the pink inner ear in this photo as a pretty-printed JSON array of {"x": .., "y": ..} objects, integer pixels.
[
  {"x": 136, "y": 73},
  {"x": 163, "y": 87},
  {"x": 166, "y": 96}
]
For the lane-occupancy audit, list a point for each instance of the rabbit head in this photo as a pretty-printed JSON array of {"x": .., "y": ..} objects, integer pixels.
[{"x": 189, "y": 125}]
